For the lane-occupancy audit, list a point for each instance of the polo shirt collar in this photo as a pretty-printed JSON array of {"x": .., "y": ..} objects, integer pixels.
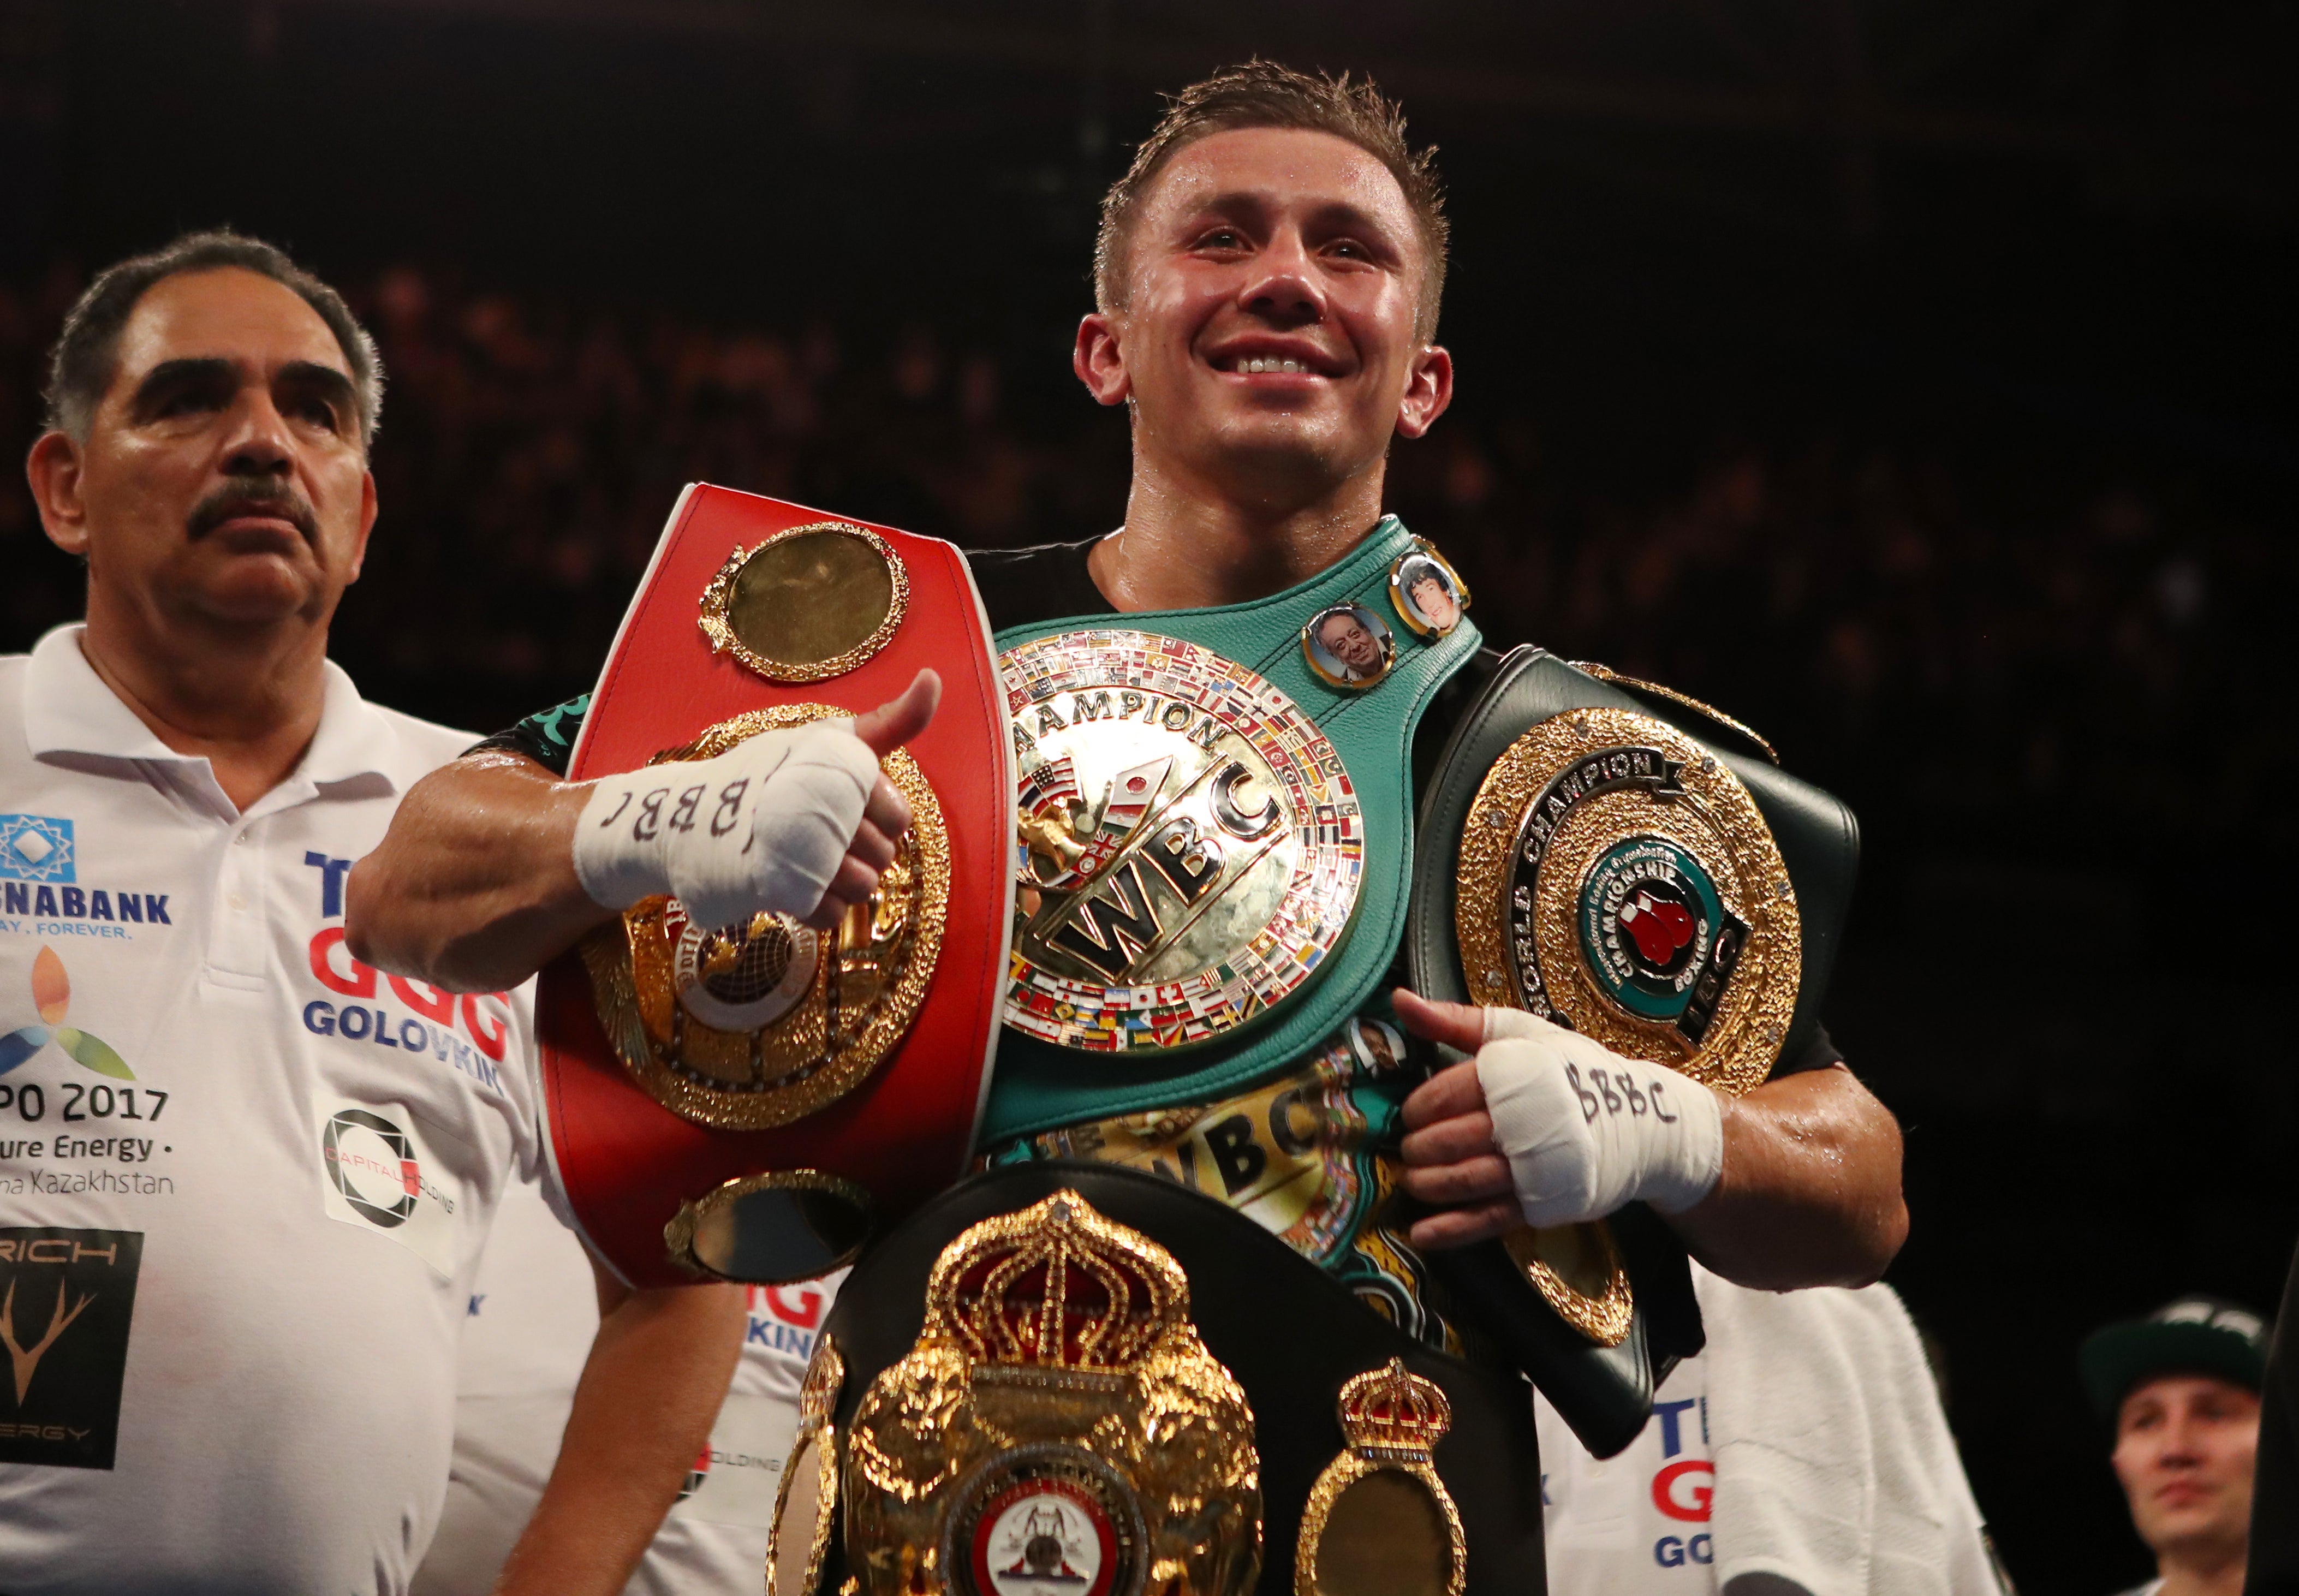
[{"x": 68, "y": 709}]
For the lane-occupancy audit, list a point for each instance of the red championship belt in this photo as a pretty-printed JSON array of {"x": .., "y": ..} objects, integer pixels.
[{"x": 752, "y": 1102}]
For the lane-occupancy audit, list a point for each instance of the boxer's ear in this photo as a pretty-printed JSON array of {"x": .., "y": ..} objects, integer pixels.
[
  {"x": 1099, "y": 361},
  {"x": 1427, "y": 392}
]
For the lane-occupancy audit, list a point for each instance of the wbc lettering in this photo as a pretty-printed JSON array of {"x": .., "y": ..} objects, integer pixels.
[{"x": 1189, "y": 843}]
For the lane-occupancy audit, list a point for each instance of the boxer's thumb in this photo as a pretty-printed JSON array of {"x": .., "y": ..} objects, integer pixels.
[{"x": 899, "y": 720}]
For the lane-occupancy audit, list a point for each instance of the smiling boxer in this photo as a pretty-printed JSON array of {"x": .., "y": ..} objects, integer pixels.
[{"x": 1267, "y": 281}]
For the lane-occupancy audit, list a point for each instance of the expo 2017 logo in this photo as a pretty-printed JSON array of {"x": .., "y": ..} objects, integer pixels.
[{"x": 52, "y": 996}]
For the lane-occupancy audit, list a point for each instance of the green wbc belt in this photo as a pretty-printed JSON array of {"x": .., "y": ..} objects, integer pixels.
[{"x": 1214, "y": 831}]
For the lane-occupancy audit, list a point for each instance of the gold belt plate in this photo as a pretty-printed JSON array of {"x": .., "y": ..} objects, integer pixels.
[
  {"x": 748, "y": 1028},
  {"x": 1190, "y": 846},
  {"x": 1616, "y": 877},
  {"x": 1058, "y": 1424},
  {"x": 1379, "y": 1521}
]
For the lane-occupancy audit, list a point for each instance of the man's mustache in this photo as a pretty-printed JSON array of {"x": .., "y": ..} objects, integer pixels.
[{"x": 260, "y": 496}]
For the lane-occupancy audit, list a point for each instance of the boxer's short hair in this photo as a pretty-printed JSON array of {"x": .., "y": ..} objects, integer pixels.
[
  {"x": 82, "y": 364},
  {"x": 1262, "y": 94}
]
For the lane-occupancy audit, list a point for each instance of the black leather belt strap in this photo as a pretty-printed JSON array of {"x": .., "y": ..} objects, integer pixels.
[
  {"x": 1285, "y": 1328},
  {"x": 1819, "y": 837},
  {"x": 1605, "y": 1393}
]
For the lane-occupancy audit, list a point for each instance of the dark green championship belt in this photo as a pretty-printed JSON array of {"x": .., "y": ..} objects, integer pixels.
[
  {"x": 1628, "y": 862},
  {"x": 1103, "y": 1393},
  {"x": 1215, "y": 816}
]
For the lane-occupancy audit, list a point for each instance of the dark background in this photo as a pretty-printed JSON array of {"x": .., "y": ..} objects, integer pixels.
[{"x": 1911, "y": 378}]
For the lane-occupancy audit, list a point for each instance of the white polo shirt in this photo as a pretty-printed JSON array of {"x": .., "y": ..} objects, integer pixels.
[
  {"x": 1634, "y": 1524},
  {"x": 529, "y": 1330},
  {"x": 244, "y": 1180}
]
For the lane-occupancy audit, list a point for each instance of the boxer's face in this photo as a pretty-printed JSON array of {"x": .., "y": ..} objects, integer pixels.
[
  {"x": 223, "y": 475},
  {"x": 1346, "y": 640},
  {"x": 2183, "y": 1450},
  {"x": 1267, "y": 331}
]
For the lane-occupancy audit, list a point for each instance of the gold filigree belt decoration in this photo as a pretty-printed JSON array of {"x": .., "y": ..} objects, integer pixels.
[
  {"x": 1379, "y": 1522},
  {"x": 806, "y": 1502},
  {"x": 1616, "y": 877},
  {"x": 753, "y": 1027},
  {"x": 1058, "y": 1419}
]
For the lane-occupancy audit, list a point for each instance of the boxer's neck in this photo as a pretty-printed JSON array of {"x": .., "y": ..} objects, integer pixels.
[{"x": 1188, "y": 543}]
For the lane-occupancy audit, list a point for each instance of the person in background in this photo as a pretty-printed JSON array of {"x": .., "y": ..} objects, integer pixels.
[
  {"x": 1804, "y": 1449},
  {"x": 2179, "y": 1392},
  {"x": 237, "y": 1243},
  {"x": 529, "y": 1321}
]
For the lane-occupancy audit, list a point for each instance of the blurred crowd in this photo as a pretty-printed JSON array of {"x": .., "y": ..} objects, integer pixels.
[{"x": 1986, "y": 635}]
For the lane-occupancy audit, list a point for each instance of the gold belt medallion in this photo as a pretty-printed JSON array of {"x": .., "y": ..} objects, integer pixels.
[
  {"x": 1058, "y": 1426},
  {"x": 806, "y": 1501},
  {"x": 1616, "y": 877},
  {"x": 1379, "y": 1522},
  {"x": 750, "y": 1026},
  {"x": 1190, "y": 845}
]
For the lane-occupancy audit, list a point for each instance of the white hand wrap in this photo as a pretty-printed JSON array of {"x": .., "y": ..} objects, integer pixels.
[
  {"x": 763, "y": 826},
  {"x": 1586, "y": 1131}
]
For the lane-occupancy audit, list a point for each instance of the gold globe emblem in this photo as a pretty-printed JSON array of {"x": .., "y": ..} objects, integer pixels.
[{"x": 1189, "y": 846}]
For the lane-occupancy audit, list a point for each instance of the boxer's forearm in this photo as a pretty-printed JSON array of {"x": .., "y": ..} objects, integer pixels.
[
  {"x": 1810, "y": 1192},
  {"x": 474, "y": 886},
  {"x": 655, "y": 1381}
]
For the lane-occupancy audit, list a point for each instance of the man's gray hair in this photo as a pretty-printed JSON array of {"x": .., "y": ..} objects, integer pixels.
[{"x": 82, "y": 364}]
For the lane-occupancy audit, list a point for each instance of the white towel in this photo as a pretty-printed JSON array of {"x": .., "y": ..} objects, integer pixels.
[{"x": 1835, "y": 1467}]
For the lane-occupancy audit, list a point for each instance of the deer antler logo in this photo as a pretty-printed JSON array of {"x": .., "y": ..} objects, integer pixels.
[
  {"x": 26, "y": 1359},
  {"x": 52, "y": 996}
]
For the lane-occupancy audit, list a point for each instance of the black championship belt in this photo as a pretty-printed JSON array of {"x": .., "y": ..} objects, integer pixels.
[
  {"x": 1109, "y": 1386},
  {"x": 1631, "y": 864}
]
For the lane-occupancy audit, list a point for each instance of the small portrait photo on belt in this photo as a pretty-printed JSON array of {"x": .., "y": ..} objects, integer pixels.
[
  {"x": 1347, "y": 645},
  {"x": 1429, "y": 596}
]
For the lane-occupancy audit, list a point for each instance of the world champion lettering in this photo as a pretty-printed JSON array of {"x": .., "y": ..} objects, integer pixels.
[
  {"x": 1604, "y": 772},
  {"x": 1172, "y": 715}
]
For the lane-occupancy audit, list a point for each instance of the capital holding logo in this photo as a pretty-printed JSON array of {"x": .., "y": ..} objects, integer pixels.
[
  {"x": 36, "y": 848},
  {"x": 383, "y": 1175},
  {"x": 352, "y": 1168},
  {"x": 52, "y": 997},
  {"x": 67, "y": 1303}
]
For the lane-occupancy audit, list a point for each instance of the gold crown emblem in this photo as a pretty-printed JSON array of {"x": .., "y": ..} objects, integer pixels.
[
  {"x": 1056, "y": 1287},
  {"x": 1390, "y": 1412}
]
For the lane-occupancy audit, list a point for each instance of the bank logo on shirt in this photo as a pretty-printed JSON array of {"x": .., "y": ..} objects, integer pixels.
[
  {"x": 382, "y": 1175},
  {"x": 36, "y": 848},
  {"x": 67, "y": 1298}
]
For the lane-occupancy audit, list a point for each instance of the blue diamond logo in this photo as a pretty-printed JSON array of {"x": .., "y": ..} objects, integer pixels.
[{"x": 36, "y": 848}]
